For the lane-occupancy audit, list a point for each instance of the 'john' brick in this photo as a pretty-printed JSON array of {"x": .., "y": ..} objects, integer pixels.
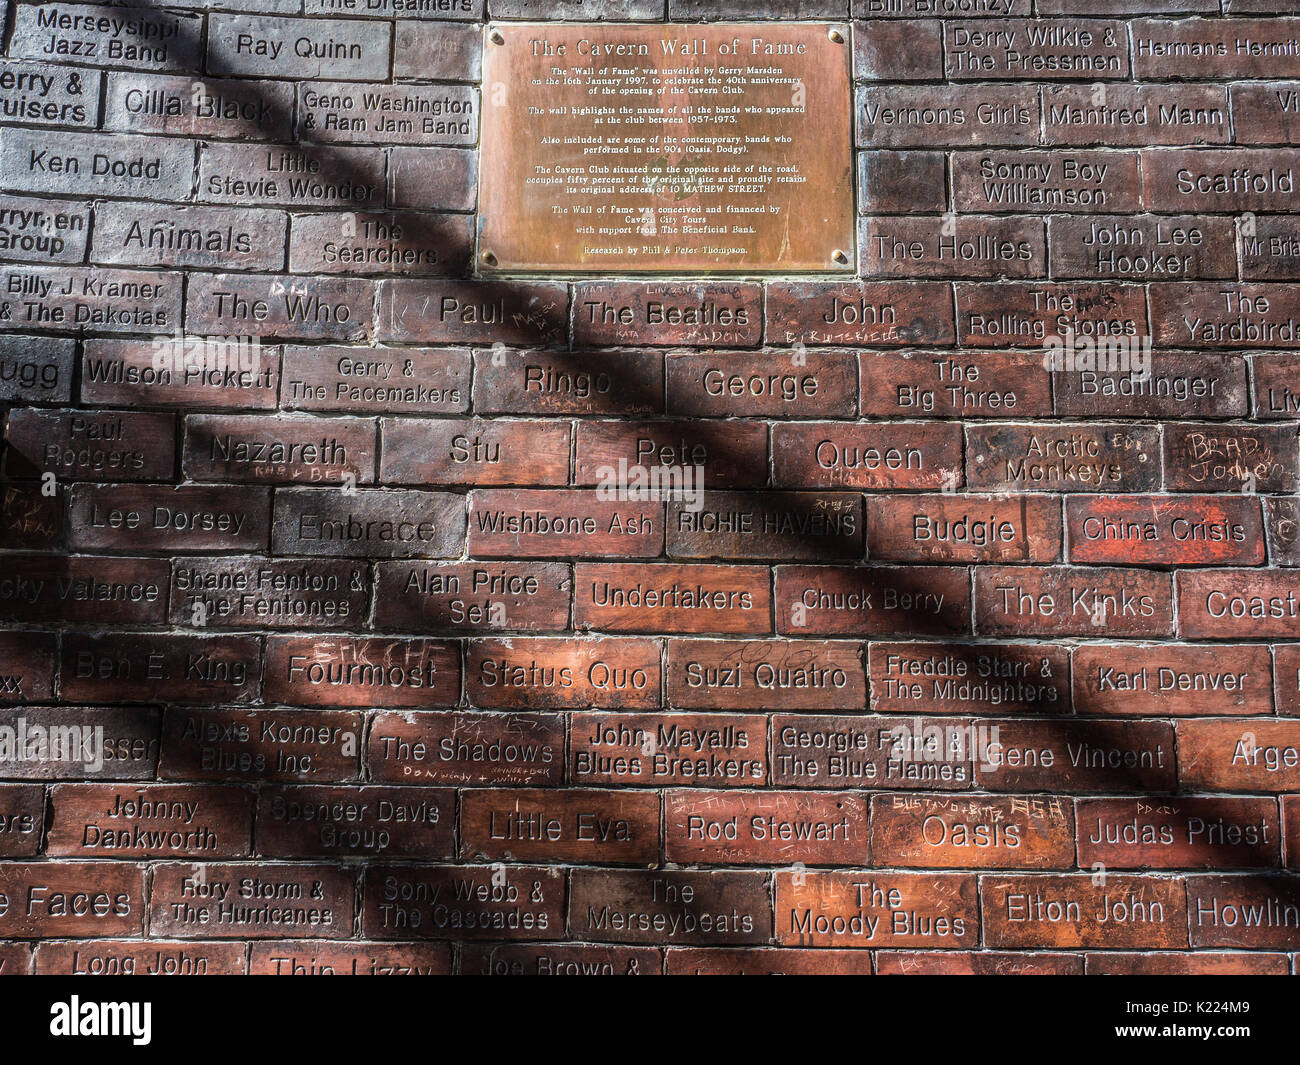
[
  {"x": 573, "y": 673},
  {"x": 661, "y": 597},
  {"x": 537, "y": 523},
  {"x": 756, "y": 674},
  {"x": 580, "y": 825},
  {"x": 964, "y": 528},
  {"x": 368, "y": 523},
  {"x": 1239, "y": 755},
  {"x": 765, "y": 828},
  {"x": 1172, "y": 680},
  {"x": 463, "y": 902},
  {"x": 157, "y": 668},
  {"x": 879, "y": 600},
  {"x": 376, "y": 380},
  {"x": 467, "y": 748},
  {"x": 1181, "y": 833},
  {"x": 346, "y": 822},
  {"x": 993, "y": 385},
  {"x": 474, "y": 451},
  {"x": 1082, "y": 756},
  {"x": 671, "y": 907},
  {"x": 718, "y": 314},
  {"x": 909, "y": 455},
  {"x": 892, "y": 313},
  {"x": 471, "y": 597},
  {"x": 149, "y": 821},
  {"x": 668, "y": 750},
  {"x": 71, "y": 900},
  {"x": 1165, "y": 530},
  {"x": 1070, "y": 601},
  {"x": 161, "y": 518}
]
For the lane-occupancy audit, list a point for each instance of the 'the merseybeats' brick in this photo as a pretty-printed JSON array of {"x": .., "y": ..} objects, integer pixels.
[{"x": 670, "y": 907}]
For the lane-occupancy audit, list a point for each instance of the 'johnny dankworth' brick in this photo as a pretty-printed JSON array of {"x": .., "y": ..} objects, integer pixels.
[
  {"x": 1037, "y": 49},
  {"x": 472, "y": 312},
  {"x": 43, "y": 231},
  {"x": 240, "y": 592},
  {"x": 247, "y": 175},
  {"x": 91, "y": 445},
  {"x": 295, "y": 746},
  {"x": 97, "y": 164},
  {"x": 340, "y": 113},
  {"x": 71, "y": 900},
  {"x": 1172, "y": 680},
  {"x": 676, "y": 750},
  {"x": 910, "y": 678},
  {"x": 669, "y": 907},
  {"x": 82, "y": 588},
  {"x": 296, "y": 308},
  {"x": 569, "y": 673},
  {"x": 368, "y": 523},
  {"x": 723, "y": 454},
  {"x": 188, "y": 107},
  {"x": 463, "y": 902},
  {"x": 782, "y": 525},
  {"x": 160, "y": 518},
  {"x": 360, "y": 671},
  {"x": 766, "y": 828},
  {"x": 756, "y": 674},
  {"x": 1181, "y": 833},
  {"x": 1239, "y": 755},
  {"x": 941, "y": 116},
  {"x": 123, "y": 37},
  {"x": 376, "y": 380},
  {"x": 1077, "y": 910},
  {"x": 660, "y": 597},
  {"x": 141, "y": 234},
  {"x": 1165, "y": 530},
  {"x": 1063, "y": 457},
  {"x": 720, "y": 314},
  {"x": 852, "y": 601},
  {"x": 254, "y": 901},
  {"x": 123, "y": 373},
  {"x": 907, "y": 455},
  {"x": 1076, "y": 756},
  {"x": 533, "y": 523},
  {"x": 474, "y": 451},
  {"x": 79, "y": 298},
  {"x": 153, "y": 668},
  {"x": 292, "y": 48},
  {"x": 467, "y": 748},
  {"x": 546, "y": 382},
  {"x": 149, "y": 821},
  {"x": 580, "y": 825},
  {"x": 343, "y": 822},
  {"x": 964, "y": 528},
  {"x": 1231, "y": 458},
  {"x": 1136, "y": 115},
  {"x": 892, "y": 313},
  {"x": 820, "y": 385},
  {"x": 994, "y": 384},
  {"x": 27, "y": 664},
  {"x": 1072, "y": 601}
]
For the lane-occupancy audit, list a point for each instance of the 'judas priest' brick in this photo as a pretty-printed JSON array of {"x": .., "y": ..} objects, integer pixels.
[
  {"x": 1277, "y": 386},
  {"x": 139, "y": 38},
  {"x": 294, "y": 746},
  {"x": 1282, "y": 522},
  {"x": 125, "y": 957},
  {"x": 1136, "y": 115},
  {"x": 1266, "y": 113},
  {"x": 368, "y": 523},
  {"x": 1078, "y": 911},
  {"x": 331, "y": 177},
  {"x": 880, "y": 600},
  {"x": 36, "y": 369},
  {"x": 575, "y": 523},
  {"x": 679, "y": 750},
  {"x": 1177, "y": 384},
  {"x": 1182, "y": 833},
  {"x": 81, "y": 588},
  {"x": 910, "y": 678},
  {"x": 297, "y": 308},
  {"x": 994, "y": 385},
  {"x": 55, "y": 900},
  {"x": 320, "y": 958},
  {"x": 345, "y": 822},
  {"x": 159, "y": 518},
  {"x": 941, "y": 116},
  {"x": 97, "y": 164},
  {"x": 91, "y": 445},
  {"x": 474, "y": 312},
  {"x": 1069, "y": 601},
  {"x": 250, "y": 45},
  {"x": 142, "y": 234},
  {"x": 598, "y": 827},
  {"x": 758, "y": 674},
  {"x": 559, "y": 959},
  {"x": 1092, "y": 182},
  {"x": 773, "y": 385},
  {"x": 841, "y": 909},
  {"x": 544, "y": 382},
  {"x": 1069, "y": 756},
  {"x": 1243, "y": 48},
  {"x": 123, "y": 373},
  {"x": 463, "y": 902},
  {"x": 659, "y": 597},
  {"x": 129, "y": 750},
  {"x": 1166, "y": 530},
  {"x": 1239, "y": 755},
  {"x": 360, "y": 671},
  {"x": 474, "y": 451},
  {"x": 332, "y": 113},
  {"x": 972, "y": 246},
  {"x": 1255, "y": 458},
  {"x": 420, "y": 244},
  {"x": 44, "y": 231},
  {"x": 725, "y": 454},
  {"x": 471, "y": 596},
  {"x": 1142, "y": 247},
  {"x": 50, "y": 96},
  {"x": 1238, "y": 604},
  {"x": 972, "y": 832},
  {"x": 782, "y": 525},
  {"x": 964, "y": 528},
  {"x": 181, "y": 106},
  {"x": 893, "y": 313},
  {"x": 1038, "y": 49},
  {"x": 27, "y": 662},
  {"x": 1253, "y": 911},
  {"x": 22, "y": 815},
  {"x": 149, "y": 821},
  {"x": 719, "y": 314},
  {"x": 1171, "y": 680},
  {"x": 562, "y": 673},
  {"x": 248, "y": 901},
  {"x": 79, "y": 298},
  {"x": 376, "y": 380},
  {"x": 670, "y": 907},
  {"x": 1024, "y": 313},
  {"x": 1063, "y": 457},
  {"x": 765, "y": 828},
  {"x": 240, "y": 593},
  {"x": 261, "y": 448},
  {"x": 908, "y": 455},
  {"x": 167, "y": 669},
  {"x": 471, "y": 748}
]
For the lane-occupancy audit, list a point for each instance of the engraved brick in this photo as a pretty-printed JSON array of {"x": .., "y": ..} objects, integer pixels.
[
  {"x": 400, "y": 9},
  {"x": 912, "y": 678},
  {"x": 71, "y": 900},
  {"x": 15, "y": 959},
  {"x": 1218, "y": 604},
  {"x": 30, "y": 519},
  {"x": 1027, "y": 314},
  {"x": 985, "y": 963},
  {"x": 1182, "y": 833},
  {"x": 1239, "y": 755},
  {"x": 129, "y": 750},
  {"x": 1072, "y": 601},
  {"x": 246, "y": 175},
  {"x": 1231, "y": 458},
  {"x": 418, "y": 244},
  {"x": 1291, "y": 830},
  {"x": 79, "y": 298},
  {"x": 544, "y": 382},
  {"x": 347, "y": 822},
  {"x": 774, "y": 385},
  {"x": 990, "y": 385},
  {"x": 1264, "y": 113},
  {"x": 361, "y": 671},
  {"x": 297, "y": 308},
  {"x": 1174, "y": 384},
  {"x": 291, "y": 746},
  {"x": 971, "y": 832},
  {"x": 765, "y": 828},
  {"x": 160, "y": 518},
  {"x": 22, "y": 815},
  {"x": 581, "y": 10},
  {"x": 87, "y": 35},
  {"x": 467, "y": 748},
  {"x": 95, "y": 164},
  {"x": 471, "y": 596},
  {"x": 880, "y": 600},
  {"x": 942, "y": 116},
  {"x": 781, "y": 9},
  {"x": 463, "y": 902},
  {"x": 635, "y": 597},
  {"x": 474, "y": 451},
  {"x": 780, "y": 525},
  {"x": 596, "y": 827},
  {"x": 679, "y": 750},
  {"x": 1245, "y": 48},
  {"x": 262, "y": 901},
  {"x": 256, "y": 448},
  {"x": 368, "y": 523},
  {"x": 1165, "y": 531},
  {"x": 1282, "y": 526},
  {"x": 133, "y": 373},
  {"x": 44, "y": 95},
  {"x": 43, "y": 231},
  {"x": 36, "y": 370},
  {"x": 156, "y": 668},
  {"x": 1142, "y": 247},
  {"x": 692, "y": 961},
  {"x": 895, "y": 313},
  {"x": 1185, "y": 963},
  {"x": 559, "y": 959},
  {"x": 423, "y": 50},
  {"x": 251, "y": 45},
  {"x": 1063, "y": 457},
  {"x": 1286, "y": 667},
  {"x": 1172, "y": 680},
  {"x": 1217, "y": 180},
  {"x": 149, "y": 821},
  {"x": 81, "y": 588},
  {"x": 318, "y": 958},
  {"x": 1270, "y": 248},
  {"x": 124, "y": 957},
  {"x": 241, "y": 592},
  {"x": 1076, "y": 756},
  {"x": 614, "y": 454},
  {"x": 973, "y": 246},
  {"x": 472, "y": 312},
  {"x": 1136, "y": 115},
  {"x": 1076, "y": 911},
  {"x": 669, "y": 907},
  {"x": 188, "y": 107},
  {"x": 439, "y": 179},
  {"x": 557, "y": 523},
  {"x": 376, "y": 380},
  {"x": 1039, "y": 49},
  {"x": 91, "y": 445},
  {"x": 27, "y": 664},
  {"x": 135, "y": 234},
  {"x": 909, "y": 9},
  {"x": 914, "y": 455},
  {"x": 714, "y": 314},
  {"x": 523, "y": 673},
  {"x": 1254, "y": 911},
  {"x": 964, "y": 528},
  {"x": 339, "y": 113},
  {"x": 898, "y": 51},
  {"x": 1226, "y": 315},
  {"x": 753, "y": 674}
]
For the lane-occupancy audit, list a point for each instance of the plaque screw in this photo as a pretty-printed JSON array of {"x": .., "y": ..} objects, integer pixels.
[
  {"x": 840, "y": 257},
  {"x": 496, "y": 37},
  {"x": 489, "y": 259},
  {"x": 836, "y": 36}
]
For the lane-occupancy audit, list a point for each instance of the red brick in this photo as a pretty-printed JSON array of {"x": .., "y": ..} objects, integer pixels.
[
  {"x": 129, "y": 750},
  {"x": 712, "y": 314},
  {"x": 1175, "y": 384},
  {"x": 1291, "y": 830},
  {"x": 1077, "y": 911},
  {"x": 1076, "y": 756},
  {"x": 1286, "y": 668},
  {"x": 911, "y": 678},
  {"x": 898, "y": 51},
  {"x": 814, "y": 384},
  {"x": 313, "y": 958},
  {"x": 1172, "y": 680},
  {"x": 985, "y": 963},
  {"x": 466, "y": 748},
  {"x": 722, "y": 454},
  {"x": 753, "y": 674},
  {"x": 122, "y": 373},
  {"x": 407, "y": 243},
  {"x": 880, "y": 600},
  {"x": 557, "y": 382},
  {"x": 72, "y": 900},
  {"x": 1136, "y": 115},
  {"x": 242, "y": 592},
  {"x": 155, "y": 517},
  {"x": 536, "y": 523},
  {"x": 893, "y": 313},
  {"x": 1163, "y": 49},
  {"x": 368, "y": 523},
  {"x": 145, "y": 668},
  {"x": 585, "y": 826},
  {"x": 521, "y": 674},
  {"x": 713, "y": 750},
  {"x": 1255, "y": 911},
  {"x": 816, "y": 526},
  {"x": 281, "y": 306},
  {"x": 765, "y": 827},
  {"x": 972, "y": 246},
  {"x": 1072, "y": 601},
  {"x": 30, "y": 519},
  {"x": 1155, "y": 963},
  {"x": 463, "y": 902},
  {"x": 294, "y": 746},
  {"x": 474, "y": 451},
  {"x": 1250, "y": 458},
  {"x": 1165, "y": 530},
  {"x": 261, "y": 449},
  {"x": 971, "y": 832},
  {"x": 943, "y": 116},
  {"x": 986, "y": 51},
  {"x": 1142, "y": 247},
  {"x": 636, "y": 597},
  {"x": 1239, "y": 755},
  {"x": 1277, "y": 386},
  {"x": 1082, "y": 181},
  {"x": 352, "y": 822},
  {"x": 22, "y": 817},
  {"x": 15, "y": 959},
  {"x": 993, "y": 384},
  {"x": 558, "y": 959},
  {"x": 670, "y": 907},
  {"x": 1238, "y": 604},
  {"x": 90, "y": 445},
  {"x": 864, "y": 909},
  {"x": 376, "y": 380},
  {"x": 1022, "y": 313},
  {"x": 964, "y": 528},
  {"x": 149, "y": 821},
  {"x": 472, "y": 597},
  {"x": 756, "y": 961},
  {"x": 361, "y": 672},
  {"x": 1227, "y": 315},
  {"x": 903, "y": 455},
  {"x": 125, "y": 957},
  {"x": 473, "y": 312},
  {"x": 1260, "y": 113},
  {"x": 1181, "y": 833}
]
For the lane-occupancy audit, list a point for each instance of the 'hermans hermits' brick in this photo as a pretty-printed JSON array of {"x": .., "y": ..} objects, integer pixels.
[
  {"x": 467, "y": 748},
  {"x": 892, "y": 313},
  {"x": 360, "y": 671},
  {"x": 1165, "y": 530},
  {"x": 1172, "y": 680},
  {"x": 1080, "y": 910},
  {"x": 572, "y": 673},
  {"x": 717, "y": 314},
  {"x": 1072, "y": 601},
  {"x": 905, "y": 455}
]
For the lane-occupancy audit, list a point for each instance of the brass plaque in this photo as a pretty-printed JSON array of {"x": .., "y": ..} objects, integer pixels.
[{"x": 654, "y": 148}]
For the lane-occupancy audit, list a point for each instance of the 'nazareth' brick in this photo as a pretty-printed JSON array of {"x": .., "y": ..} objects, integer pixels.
[
  {"x": 941, "y": 116},
  {"x": 756, "y": 674},
  {"x": 614, "y": 454},
  {"x": 1038, "y": 49},
  {"x": 544, "y": 382},
  {"x": 343, "y": 822},
  {"x": 1142, "y": 247},
  {"x": 964, "y": 528},
  {"x": 376, "y": 380},
  {"x": 1254, "y": 458},
  {"x": 765, "y": 828},
  {"x": 298, "y": 308},
  {"x": 82, "y": 588},
  {"x": 705, "y": 750},
  {"x": 91, "y": 36},
  {"x": 22, "y": 815},
  {"x": 1223, "y": 179},
  {"x": 189, "y": 107},
  {"x": 530, "y": 523},
  {"x": 559, "y": 959},
  {"x": 1028, "y": 313},
  {"x": 580, "y": 825},
  {"x": 43, "y": 95},
  {"x": 134, "y": 373},
  {"x": 36, "y": 369},
  {"x": 1063, "y": 457},
  {"x": 294, "y": 746},
  {"x": 1181, "y": 833},
  {"x": 910, "y": 678},
  {"x": 474, "y": 451},
  {"x": 252, "y": 901},
  {"x": 972, "y": 832},
  {"x": 333, "y": 113},
  {"x": 842, "y": 909},
  {"x": 1188, "y": 963},
  {"x": 463, "y": 902},
  {"x": 270, "y": 449},
  {"x": 1172, "y": 680},
  {"x": 1239, "y": 755},
  {"x": 907, "y": 455},
  {"x": 1136, "y": 115},
  {"x": 1241, "y": 48},
  {"x": 476, "y": 597},
  {"x": 1172, "y": 384},
  {"x": 143, "y": 234},
  {"x": 1046, "y": 181},
  {"x": 91, "y": 445},
  {"x": 1259, "y": 911},
  {"x": 983, "y": 963},
  {"x": 661, "y": 597},
  {"x": 1077, "y": 910},
  {"x": 54, "y": 900},
  {"x": 247, "y": 175},
  {"x": 995, "y": 384},
  {"x": 1071, "y": 756},
  {"x": 1282, "y": 525},
  {"x": 27, "y": 661},
  {"x": 669, "y": 907},
  {"x": 149, "y": 821},
  {"x": 95, "y": 164},
  {"x": 419, "y": 244},
  {"x": 756, "y": 961},
  {"x": 320, "y": 958},
  {"x": 360, "y": 671},
  {"x": 971, "y": 246},
  {"x": 782, "y": 525},
  {"x": 79, "y": 298},
  {"x": 521, "y": 673},
  {"x": 859, "y": 312},
  {"x": 1277, "y": 386},
  {"x": 714, "y": 314},
  {"x": 467, "y": 748},
  {"x": 880, "y": 600},
  {"x": 292, "y": 48},
  {"x": 242, "y": 592},
  {"x": 127, "y": 751},
  {"x": 1165, "y": 530},
  {"x": 43, "y": 231},
  {"x": 474, "y": 312},
  {"x": 766, "y": 384},
  {"x": 1266, "y": 113},
  {"x": 1069, "y": 601},
  {"x": 368, "y": 523},
  {"x": 160, "y": 518},
  {"x": 125, "y": 957},
  {"x": 156, "y": 668}
]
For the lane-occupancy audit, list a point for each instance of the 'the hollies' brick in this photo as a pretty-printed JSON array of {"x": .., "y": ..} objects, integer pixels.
[
  {"x": 240, "y": 592},
  {"x": 158, "y": 668},
  {"x": 994, "y": 384},
  {"x": 964, "y": 528},
  {"x": 579, "y": 825},
  {"x": 252, "y": 901},
  {"x": 142, "y": 373},
  {"x": 758, "y": 961},
  {"x": 474, "y": 451},
  {"x": 1187, "y": 963},
  {"x": 973, "y": 246},
  {"x": 781, "y": 525},
  {"x": 816, "y": 384},
  {"x": 1228, "y": 458},
  {"x": 1072, "y": 601},
  {"x": 368, "y": 523},
  {"x": 900, "y": 455},
  {"x": 474, "y": 312},
  {"x": 1172, "y": 384},
  {"x": 376, "y": 380},
  {"x": 1037, "y": 49},
  {"x": 22, "y": 816},
  {"x": 1076, "y": 756},
  {"x": 1180, "y": 833},
  {"x": 1252, "y": 911},
  {"x": 149, "y": 821},
  {"x": 851, "y": 909},
  {"x": 425, "y": 245},
  {"x": 1277, "y": 386},
  {"x": 546, "y": 382},
  {"x": 257, "y": 46},
  {"x": 1078, "y": 910},
  {"x": 892, "y": 313},
  {"x": 83, "y": 588},
  {"x": 463, "y": 902},
  {"x": 669, "y": 907},
  {"x": 1240, "y": 754},
  {"x": 758, "y": 674},
  {"x": 323, "y": 958},
  {"x": 1282, "y": 527},
  {"x": 522, "y": 673},
  {"x": 1091, "y": 182},
  {"x": 877, "y": 600},
  {"x": 294, "y": 746},
  {"x": 37, "y": 369},
  {"x": 558, "y": 959},
  {"x": 558, "y": 523},
  {"x": 467, "y": 748},
  {"x": 97, "y": 164},
  {"x": 80, "y": 298},
  {"x": 360, "y": 671},
  {"x": 713, "y": 314},
  {"x": 1172, "y": 680},
  {"x": 146, "y": 234},
  {"x": 765, "y": 828},
  {"x": 943, "y": 116},
  {"x": 983, "y": 963},
  {"x": 1226, "y": 315},
  {"x": 660, "y": 597},
  {"x": 705, "y": 750},
  {"x": 1165, "y": 530},
  {"x": 44, "y": 231},
  {"x": 471, "y": 597},
  {"x": 160, "y": 518},
  {"x": 289, "y": 306},
  {"x": 331, "y": 113},
  {"x": 127, "y": 749},
  {"x": 261, "y": 448},
  {"x": 345, "y": 822},
  {"x": 71, "y": 900},
  {"x": 972, "y": 832},
  {"x": 1238, "y": 604},
  {"x": 1029, "y": 313},
  {"x": 1142, "y": 247},
  {"x": 27, "y": 664},
  {"x": 185, "y": 107},
  {"x": 273, "y": 174},
  {"x": 1136, "y": 115},
  {"x": 911, "y": 678},
  {"x": 142, "y": 38},
  {"x": 126, "y": 957},
  {"x": 615, "y": 455}
]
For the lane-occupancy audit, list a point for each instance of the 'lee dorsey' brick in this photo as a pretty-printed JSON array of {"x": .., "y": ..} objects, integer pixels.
[
  {"x": 361, "y": 672},
  {"x": 149, "y": 821},
  {"x": 766, "y": 828},
  {"x": 1078, "y": 911},
  {"x": 368, "y": 523},
  {"x": 1069, "y": 601},
  {"x": 160, "y": 518},
  {"x": 261, "y": 901},
  {"x": 670, "y": 907},
  {"x": 597, "y": 827},
  {"x": 841, "y": 909},
  {"x": 906, "y": 455}
]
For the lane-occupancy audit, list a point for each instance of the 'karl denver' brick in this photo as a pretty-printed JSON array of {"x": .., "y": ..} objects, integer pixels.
[
  {"x": 295, "y": 746},
  {"x": 568, "y": 673},
  {"x": 55, "y": 900},
  {"x": 368, "y": 523},
  {"x": 44, "y": 231},
  {"x": 27, "y": 663},
  {"x": 250, "y": 45},
  {"x": 240, "y": 592},
  {"x": 246, "y": 175},
  {"x": 186, "y": 107},
  {"x": 947, "y": 116},
  {"x": 78, "y": 298},
  {"x": 1077, "y": 910},
  {"x": 1181, "y": 833},
  {"x": 87, "y": 445},
  {"x": 1136, "y": 115},
  {"x": 892, "y": 313},
  {"x": 1239, "y": 754},
  {"x": 141, "y": 234},
  {"x": 1072, "y": 601},
  {"x": 1037, "y": 49},
  {"x": 474, "y": 312},
  {"x": 143, "y": 667},
  {"x": 715, "y": 314},
  {"x": 911, "y": 678},
  {"x": 474, "y": 451},
  {"x": 91, "y": 36},
  {"x": 298, "y": 308},
  {"x": 467, "y": 748},
  {"x": 545, "y": 382},
  {"x": 421, "y": 596},
  {"x": 820, "y": 384},
  {"x": 345, "y": 822},
  {"x": 376, "y": 380},
  {"x": 269, "y": 449},
  {"x": 850, "y": 601},
  {"x": 407, "y": 243},
  {"x": 122, "y": 373},
  {"x": 360, "y": 671},
  {"x": 1231, "y": 458},
  {"x": 158, "y": 517},
  {"x": 1069, "y": 755},
  {"x": 765, "y": 828},
  {"x": 900, "y": 455},
  {"x": 815, "y": 526},
  {"x": 559, "y": 523},
  {"x": 97, "y": 164},
  {"x": 755, "y": 674},
  {"x": 128, "y": 751},
  {"x": 1063, "y": 457},
  {"x": 996, "y": 384},
  {"x": 1172, "y": 680},
  {"x": 1175, "y": 384},
  {"x": 82, "y": 588},
  {"x": 662, "y": 597},
  {"x": 964, "y": 528},
  {"x": 1165, "y": 530},
  {"x": 578, "y": 825},
  {"x": 972, "y": 246},
  {"x": 339, "y": 113},
  {"x": 617, "y": 454},
  {"x": 1028, "y": 313},
  {"x": 677, "y": 750}
]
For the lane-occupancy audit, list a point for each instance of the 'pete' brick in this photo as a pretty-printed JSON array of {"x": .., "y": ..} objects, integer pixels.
[{"x": 723, "y": 454}]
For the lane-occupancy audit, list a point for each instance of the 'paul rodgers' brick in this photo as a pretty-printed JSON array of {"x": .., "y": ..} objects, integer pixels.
[
  {"x": 323, "y": 958},
  {"x": 255, "y": 448},
  {"x": 252, "y": 901},
  {"x": 1076, "y": 756},
  {"x": 1165, "y": 530},
  {"x": 91, "y": 445},
  {"x": 160, "y": 518},
  {"x": 716, "y": 314},
  {"x": 376, "y": 380},
  {"x": 545, "y": 382},
  {"x": 333, "y": 113},
  {"x": 82, "y": 588},
  {"x": 36, "y": 369},
  {"x": 474, "y": 312},
  {"x": 996, "y": 384},
  {"x": 1136, "y": 115},
  {"x": 71, "y": 900},
  {"x": 1070, "y": 601},
  {"x": 912, "y": 455},
  {"x": 964, "y": 528},
  {"x": 510, "y": 750},
  {"x": 296, "y": 308},
  {"x": 1252, "y": 911},
  {"x": 346, "y": 822},
  {"x": 142, "y": 234},
  {"x": 660, "y": 597},
  {"x": 1172, "y": 680},
  {"x": 669, "y": 907},
  {"x": 1167, "y": 384},
  {"x": 407, "y": 243},
  {"x": 533, "y": 523},
  {"x": 474, "y": 451},
  {"x": 250, "y": 45},
  {"x": 463, "y": 902},
  {"x": 149, "y": 821},
  {"x": 1181, "y": 833},
  {"x": 1238, "y": 604},
  {"x": 1026, "y": 313},
  {"x": 819, "y": 384},
  {"x": 27, "y": 664},
  {"x": 1231, "y": 458},
  {"x": 943, "y": 116},
  {"x": 758, "y": 674},
  {"x": 1063, "y": 457},
  {"x": 471, "y": 596},
  {"x": 911, "y": 678},
  {"x": 368, "y": 523},
  {"x": 135, "y": 373},
  {"x": 1142, "y": 247},
  {"x": 128, "y": 750},
  {"x": 95, "y": 164},
  {"x": 22, "y": 815},
  {"x": 293, "y": 746},
  {"x": 880, "y": 600},
  {"x": 1076, "y": 910},
  {"x": 893, "y": 313},
  {"x": 139, "y": 38},
  {"x": 572, "y": 673},
  {"x": 971, "y": 246},
  {"x": 239, "y": 592},
  {"x": 1037, "y": 49},
  {"x": 360, "y": 671},
  {"x": 728, "y": 454},
  {"x": 80, "y": 298},
  {"x": 247, "y": 175},
  {"x": 658, "y": 750},
  {"x": 782, "y": 525},
  {"x": 765, "y": 828},
  {"x": 579, "y": 825},
  {"x": 187, "y": 107},
  {"x": 44, "y": 231},
  {"x": 1242, "y": 754},
  {"x": 155, "y": 668}
]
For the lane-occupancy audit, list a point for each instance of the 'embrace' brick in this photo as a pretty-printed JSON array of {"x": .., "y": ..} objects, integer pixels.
[{"x": 368, "y": 523}]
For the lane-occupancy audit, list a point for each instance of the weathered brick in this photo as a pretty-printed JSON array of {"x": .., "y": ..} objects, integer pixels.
[
  {"x": 1072, "y": 601},
  {"x": 546, "y": 382},
  {"x": 1063, "y": 457},
  {"x": 346, "y": 822},
  {"x": 186, "y": 107},
  {"x": 899, "y": 182},
  {"x": 906, "y": 455},
  {"x": 911, "y": 678},
  {"x": 22, "y": 817},
  {"x": 36, "y": 370},
  {"x": 43, "y": 231},
  {"x": 1239, "y": 755},
  {"x": 898, "y": 51},
  {"x": 1076, "y": 756},
  {"x": 523, "y": 673},
  {"x": 985, "y": 963},
  {"x": 135, "y": 373},
  {"x": 439, "y": 179},
  {"x": 1165, "y": 531},
  {"x": 87, "y": 35},
  {"x": 376, "y": 380},
  {"x": 1076, "y": 910},
  {"x": 693, "y": 961},
  {"x": 971, "y": 832},
  {"x": 615, "y": 454},
  {"x": 96, "y": 164},
  {"x": 896, "y": 313},
  {"x": 1231, "y": 458},
  {"x": 537, "y": 523},
  {"x": 27, "y": 665},
  {"x": 91, "y": 445},
  {"x": 880, "y": 600},
  {"x": 239, "y": 592},
  {"x": 1136, "y": 115},
  {"x": 752, "y": 674},
  {"x": 474, "y": 451},
  {"x": 471, "y": 312},
  {"x": 135, "y": 234},
  {"x": 71, "y": 900},
  {"x": 843, "y": 909},
  {"x": 1182, "y": 833},
  {"x": 1185, "y": 963},
  {"x": 252, "y": 901},
  {"x": 155, "y": 668},
  {"x": 32, "y": 520},
  {"x": 1172, "y": 680},
  {"x": 715, "y": 314},
  {"x": 816, "y": 526},
  {"x": 467, "y": 748},
  {"x": 463, "y": 902},
  {"x": 252, "y": 45},
  {"x": 943, "y": 116},
  {"x": 341, "y": 113},
  {"x": 162, "y": 518},
  {"x": 294, "y": 746},
  {"x": 765, "y": 828},
  {"x": 660, "y": 597},
  {"x": 368, "y": 523},
  {"x": 964, "y": 528},
  {"x": 424, "y": 50},
  {"x": 126, "y": 957},
  {"x": 321, "y": 958},
  {"x": 361, "y": 671},
  {"x": 149, "y": 821},
  {"x": 471, "y": 597},
  {"x": 668, "y": 750},
  {"x": 587, "y": 826},
  {"x": 669, "y": 907}
]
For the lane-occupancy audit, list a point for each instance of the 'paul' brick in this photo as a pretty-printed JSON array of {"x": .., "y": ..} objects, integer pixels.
[
  {"x": 756, "y": 674},
  {"x": 573, "y": 673},
  {"x": 668, "y": 750},
  {"x": 361, "y": 671},
  {"x": 376, "y": 380},
  {"x": 716, "y": 314},
  {"x": 1239, "y": 755},
  {"x": 816, "y": 526},
  {"x": 71, "y": 900},
  {"x": 1165, "y": 530},
  {"x": 1252, "y": 911},
  {"x": 669, "y": 907},
  {"x": 893, "y": 456},
  {"x": 294, "y": 746},
  {"x": 661, "y": 597},
  {"x": 1231, "y": 458},
  {"x": 1077, "y": 756},
  {"x": 537, "y": 523},
  {"x": 156, "y": 668},
  {"x": 346, "y": 822},
  {"x": 725, "y": 454},
  {"x": 545, "y": 382},
  {"x": 255, "y": 46},
  {"x": 265, "y": 449},
  {"x": 964, "y": 528},
  {"x": 765, "y": 828},
  {"x": 474, "y": 312},
  {"x": 880, "y": 600},
  {"x": 162, "y": 518},
  {"x": 995, "y": 384},
  {"x": 1072, "y": 601},
  {"x": 149, "y": 821},
  {"x": 893, "y": 313},
  {"x": 474, "y": 451},
  {"x": 368, "y": 523},
  {"x": 467, "y": 748},
  {"x": 913, "y": 678},
  {"x": 1063, "y": 457},
  {"x": 1172, "y": 680},
  {"x": 579, "y": 825},
  {"x": 1181, "y": 833},
  {"x": 463, "y": 902},
  {"x": 773, "y": 385}
]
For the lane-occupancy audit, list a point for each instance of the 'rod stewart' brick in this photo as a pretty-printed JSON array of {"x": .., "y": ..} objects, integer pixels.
[{"x": 765, "y": 827}]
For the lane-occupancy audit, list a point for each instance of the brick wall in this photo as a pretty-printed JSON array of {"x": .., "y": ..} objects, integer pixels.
[{"x": 964, "y": 664}]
